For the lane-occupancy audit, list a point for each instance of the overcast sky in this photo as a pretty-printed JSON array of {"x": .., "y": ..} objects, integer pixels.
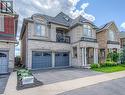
[{"x": 98, "y": 11}]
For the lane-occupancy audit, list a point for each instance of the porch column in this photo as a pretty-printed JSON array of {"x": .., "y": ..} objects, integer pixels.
[
  {"x": 85, "y": 64},
  {"x": 95, "y": 55},
  {"x": 83, "y": 57},
  {"x": 53, "y": 59}
]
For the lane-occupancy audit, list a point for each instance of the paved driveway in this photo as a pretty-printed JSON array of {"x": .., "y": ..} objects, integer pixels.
[
  {"x": 58, "y": 75},
  {"x": 3, "y": 82},
  {"x": 113, "y": 87}
]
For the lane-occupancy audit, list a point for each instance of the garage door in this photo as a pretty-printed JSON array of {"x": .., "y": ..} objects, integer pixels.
[
  {"x": 41, "y": 60},
  {"x": 61, "y": 59},
  {"x": 3, "y": 62}
]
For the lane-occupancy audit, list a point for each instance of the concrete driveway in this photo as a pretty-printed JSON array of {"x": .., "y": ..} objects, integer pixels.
[
  {"x": 58, "y": 75},
  {"x": 3, "y": 82},
  {"x": 113, "y": 87}
]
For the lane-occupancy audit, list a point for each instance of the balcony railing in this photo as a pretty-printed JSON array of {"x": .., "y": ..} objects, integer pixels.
[
  {"x": 113, "y": 42},
  {"x": 63, "y": 39},
  {"x": 88, "y": 39}
]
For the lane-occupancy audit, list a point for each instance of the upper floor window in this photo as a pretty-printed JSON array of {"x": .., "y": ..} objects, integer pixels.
[
  {"x": 111, "y": 35},
  {"x": 87, "y": 31},
  {"x": 1, "y": 23},
  {"x": 40, "y": 29}
]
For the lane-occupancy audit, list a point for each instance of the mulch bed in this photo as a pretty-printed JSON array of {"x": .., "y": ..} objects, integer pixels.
[{"x": 20, "y": 86}]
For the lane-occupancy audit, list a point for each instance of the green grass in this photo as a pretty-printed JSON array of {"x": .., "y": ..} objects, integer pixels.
[{"x": 110, "y": 69}]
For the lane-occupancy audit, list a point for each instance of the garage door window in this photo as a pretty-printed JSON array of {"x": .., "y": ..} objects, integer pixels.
[
  {"x": 65, "y": 54},
  {"x": 2, "y": 55},
  {"x": 46, "y": 54},
  {"x": 37, "y": 54}
]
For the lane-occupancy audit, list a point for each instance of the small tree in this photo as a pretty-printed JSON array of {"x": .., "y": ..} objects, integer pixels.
[
  {"x": 113, "y": 56},
  {"x": 122, "y": 57}
]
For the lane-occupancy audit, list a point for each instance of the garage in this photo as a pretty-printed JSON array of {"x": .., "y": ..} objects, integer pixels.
[
  {"x": 3, "y": 62},
  {"x": 41, "y": 60},
  {"x": 61, "y": 59}
]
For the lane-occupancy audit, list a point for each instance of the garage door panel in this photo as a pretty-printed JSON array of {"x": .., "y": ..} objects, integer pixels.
[
  {"x": 3, "y": 62},
  {"x": 61, "y": 59},
  {"x": 41, "y": 60}
]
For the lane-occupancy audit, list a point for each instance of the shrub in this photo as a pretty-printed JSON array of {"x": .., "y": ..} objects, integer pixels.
[
  {"x": 95, "y": 65},
  {"x": 108, "y": 64}
]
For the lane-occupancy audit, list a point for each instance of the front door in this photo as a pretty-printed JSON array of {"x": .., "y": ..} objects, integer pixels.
[
  {"x": 3, "y": 62},
  {"x": 90, "y": 55}
]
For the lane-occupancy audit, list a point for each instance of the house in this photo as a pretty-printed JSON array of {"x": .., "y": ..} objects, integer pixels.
[
  {"x": 122, "y": 39},
  {"x": 108, "y": 39},
  {"x": 60, "y": 41},
  {"x": 8, "y": 30}
]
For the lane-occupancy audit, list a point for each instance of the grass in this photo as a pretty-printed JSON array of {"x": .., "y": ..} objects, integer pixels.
[{"x": 110, "y": 69}]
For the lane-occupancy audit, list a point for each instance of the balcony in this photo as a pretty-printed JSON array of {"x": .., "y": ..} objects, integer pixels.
[
  {"x": 63, "y": 39},
  {"x": 88, "y": 39},
  {"x": 113, "y": 42}
]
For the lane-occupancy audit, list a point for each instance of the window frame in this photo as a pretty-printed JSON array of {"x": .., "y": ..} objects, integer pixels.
[
  {"x": 41, "y": 34},
  {"x": 87, "y": 31},
  {"x": 111, "y": 34}
]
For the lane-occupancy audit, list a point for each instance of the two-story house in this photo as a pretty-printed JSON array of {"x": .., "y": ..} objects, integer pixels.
[
  {"x": 60, "y": 41},
  {"x": 8, "y": 30},
  {"x": 108, "y": 39}
]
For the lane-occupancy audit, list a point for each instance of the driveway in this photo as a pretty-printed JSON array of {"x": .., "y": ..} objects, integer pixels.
[
  {"x": 3, "y": 82},
  {"x": 58, "y": 75},
  {"x": 113, "y": 87}
]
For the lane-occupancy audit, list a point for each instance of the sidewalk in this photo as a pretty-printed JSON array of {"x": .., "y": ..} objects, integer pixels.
[{"x": 60, "y": 87}]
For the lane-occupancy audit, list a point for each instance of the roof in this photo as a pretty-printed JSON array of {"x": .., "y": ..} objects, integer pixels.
[
  {"x": 105, "y": 26},
  {"x": 122, "y": 34}
]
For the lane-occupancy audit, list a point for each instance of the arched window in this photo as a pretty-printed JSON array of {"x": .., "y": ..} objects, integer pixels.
[
  {"x": 87, "y": 31},
  {"x": 111, "y": 35}
]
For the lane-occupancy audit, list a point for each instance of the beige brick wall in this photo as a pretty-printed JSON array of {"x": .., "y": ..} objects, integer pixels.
[
  {"x": 34, "y": 45},
  {"x": 78, "y": 32},
  {"x": 11, "y": 48}
]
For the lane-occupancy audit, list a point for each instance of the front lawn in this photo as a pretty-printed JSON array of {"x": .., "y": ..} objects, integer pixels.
[{"x": 110, "y": 69}]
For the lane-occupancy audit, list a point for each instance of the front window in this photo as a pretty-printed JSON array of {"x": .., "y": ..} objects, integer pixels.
[
  {"x": 40, "y": 29},
  {"x": 111, "y": 35},
  {"x": 1, "y": 23},
  {"x": 87, "y": 31}
]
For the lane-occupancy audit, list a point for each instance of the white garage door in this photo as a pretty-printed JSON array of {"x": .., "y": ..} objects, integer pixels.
[{"x": 3, "y": 62}]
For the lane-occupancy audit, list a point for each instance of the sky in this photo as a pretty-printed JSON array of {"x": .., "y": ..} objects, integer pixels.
[{"x": 98, "y": 11}]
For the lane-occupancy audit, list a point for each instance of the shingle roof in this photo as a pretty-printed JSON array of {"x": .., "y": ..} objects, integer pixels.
[
  {"x": 105, "y": 26},
  {"x": 65, "y": 20}
]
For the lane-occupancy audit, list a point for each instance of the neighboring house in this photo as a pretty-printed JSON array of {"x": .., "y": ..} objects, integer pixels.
[
  {"x": 122, "y": 39},
  {"x": 60, "y": 41},
  {"x": 108, "y": 39},
  {"x": 8, "y": 30}
]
